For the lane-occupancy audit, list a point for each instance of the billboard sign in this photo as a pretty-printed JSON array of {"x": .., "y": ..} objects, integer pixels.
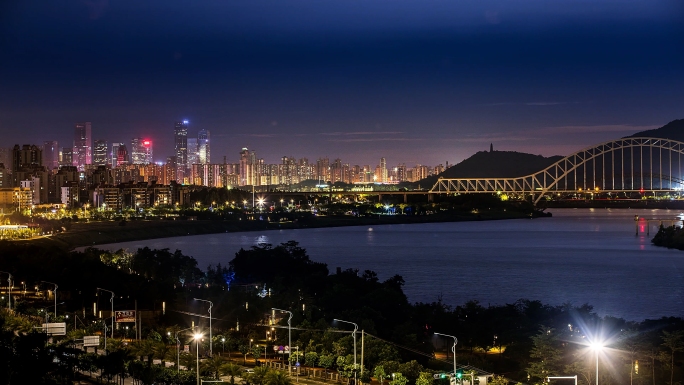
[
  {"x": 91, "y": 341},
  {"x": 55, "y": 328},
  {"x": 124, "y": 315}
]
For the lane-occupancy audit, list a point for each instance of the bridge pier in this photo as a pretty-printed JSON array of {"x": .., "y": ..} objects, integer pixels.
[{"x": 405, "y": 198}]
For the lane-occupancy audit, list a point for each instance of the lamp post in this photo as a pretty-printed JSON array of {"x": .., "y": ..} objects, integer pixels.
[
  {"x": 223, "y": 340},
  {"x": 597, "y": 347},
  {"x": 55, "y": 294},
  {"x": 454, "y": 347},
  {"x": 198, "y": 337},
  {"x": 9, "y": 292},
  {"x": 110, "y": 300},
  {"x": 289, "y": 338},
  {"x": 356, "y": 327},
  {"x": 211, "y": 342},
  {"x": 178, "y": 348}
]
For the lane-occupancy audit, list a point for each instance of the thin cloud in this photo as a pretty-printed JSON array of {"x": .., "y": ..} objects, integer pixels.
[
  {"x": 353, "y": 140},
  {"x": 537, "y": 103},
  {"x": 591, "y": 129},
  {"x": 342, "y": 133},
  {"x": 493, "y": 137},
  {"x": 261, "y": 135},
  {"x": 544, "y": 103}
]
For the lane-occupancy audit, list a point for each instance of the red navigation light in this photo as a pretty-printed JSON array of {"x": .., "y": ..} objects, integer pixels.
[
  {"x": 641, "y": 190},
  {"x": 147, "y": 143}
]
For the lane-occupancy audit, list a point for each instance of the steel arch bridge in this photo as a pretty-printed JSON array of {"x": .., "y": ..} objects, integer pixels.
[{"x": 624, "y": 165}]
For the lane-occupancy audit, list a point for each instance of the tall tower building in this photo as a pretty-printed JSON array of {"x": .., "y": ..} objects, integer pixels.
[
  {"x": 203, "y": 147},
  {"x": 67, "y": 157},
  {"x": 51, "y": 154},
  {"x": 193, "y": 156},
  {"x": 383, "y": 170},
  {"x": 100, "y": 152},
  {"x": 83, "y": 144},
  {"x": 247, "y": 167},
  {"x": 181, "y": 146},
  {"x": 141, "y": 151},
  {"x": 114, "y": 155},
  {"x": 121, "y": 155}
]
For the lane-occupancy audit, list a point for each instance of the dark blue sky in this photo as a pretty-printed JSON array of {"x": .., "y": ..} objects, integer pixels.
[{"x": 413, "y": 81}]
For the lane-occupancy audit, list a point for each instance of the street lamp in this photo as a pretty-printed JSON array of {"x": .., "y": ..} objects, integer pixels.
[
  {"x": 223, "y": 340},
  {"x": 356, "y": 327},
  {"x": 55, "y": 294},
  {"x": 454, "y": 347},
  {"x": 198, "y": 337},
  {"x": 289, "y": 338},
  {"x": 9, "y": 292},
  {"x": 211, "y": 342},
  {"x": 597, "y": 347},
  {"x": 110, "y": 300}
]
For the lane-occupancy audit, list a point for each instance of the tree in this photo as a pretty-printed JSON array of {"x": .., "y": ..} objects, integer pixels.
[
  {"x": 244, "y": 350},
  {"x": 162, "y": 351},
  {"x": 411, "y": 370},
  {"x": 379, "y": 373},
  {"x": 326, "y": 362},
  {"x": 256, "y": 352},
  {"x": 310, "y": 359},
  {"x": 231, "y": 370},
  {"x": 425, "y": 378},
  {"x": 277, "y": 377},
  {"x": 258, "y": 377},
  {"x": 674, "y": 342},
  {"x": 546, "y": 355},
  {"x": 498, "y": 380},
  {"x": 213, "y": 365},
  {"x": 398, "y": 379}
]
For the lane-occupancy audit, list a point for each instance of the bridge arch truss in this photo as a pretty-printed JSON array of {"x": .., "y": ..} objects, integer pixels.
[{"x": 620, "y": 166}]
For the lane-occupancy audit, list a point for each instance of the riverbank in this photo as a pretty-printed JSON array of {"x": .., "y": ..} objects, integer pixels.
[{"x": 103, "y": 232}]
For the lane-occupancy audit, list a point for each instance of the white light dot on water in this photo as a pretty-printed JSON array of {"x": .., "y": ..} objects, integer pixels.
[{"x": 370, "y": 229}]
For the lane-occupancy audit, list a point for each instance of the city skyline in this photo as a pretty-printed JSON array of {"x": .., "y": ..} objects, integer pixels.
[{"x": 413, "y": 82}]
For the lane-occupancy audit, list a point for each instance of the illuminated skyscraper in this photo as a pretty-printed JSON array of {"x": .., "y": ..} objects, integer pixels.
[
  {"x": 141, "y": 151},
  {"x": 203, "y": 147},
  {"x": 114, "y": 155},
  {"x": 121, "y": 155},
  {"x": 100, "y": 152},
  {"x": 247, "y": 167},
  {"x": 82, "y": 145},
  {"x": 181, "y": 147},
  {"x": 193, "y": 156}
]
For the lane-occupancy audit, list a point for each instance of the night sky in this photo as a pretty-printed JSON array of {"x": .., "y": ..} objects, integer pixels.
[{"x": 423, "y": 81}]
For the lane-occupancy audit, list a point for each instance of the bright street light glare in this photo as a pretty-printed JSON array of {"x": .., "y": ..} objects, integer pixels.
[
  {"x": 596, "y": 346},
  {"x": 198, "y": 336}
]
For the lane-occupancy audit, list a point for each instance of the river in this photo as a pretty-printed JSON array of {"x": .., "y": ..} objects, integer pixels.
[{"x": 578, "y": 256}]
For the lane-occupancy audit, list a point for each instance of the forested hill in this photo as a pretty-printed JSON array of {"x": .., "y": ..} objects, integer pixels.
[
  {"x": 496, "y": 164},
  {"x": 673, "y": 130}
]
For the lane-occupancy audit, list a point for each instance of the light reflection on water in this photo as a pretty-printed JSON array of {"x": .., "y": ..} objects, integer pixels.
[{"x": 578, "y": 256}]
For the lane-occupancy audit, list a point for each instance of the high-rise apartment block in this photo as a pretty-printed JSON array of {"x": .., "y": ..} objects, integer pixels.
[
  {"x": 82, "y": 145},
  {"x": 203, "y": 147},
  {"x": 248, "y": 175},
  {"x": 100, "y": 152},
  {"x": 67, "y": 157},
  {"x": 181, "y": 146},
  {"x": 193, "y": 155},
  {"x": 141, "y": 151}
]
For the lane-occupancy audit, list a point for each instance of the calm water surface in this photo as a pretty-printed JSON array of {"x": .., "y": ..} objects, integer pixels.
[{"x": 578, "y": 256}]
